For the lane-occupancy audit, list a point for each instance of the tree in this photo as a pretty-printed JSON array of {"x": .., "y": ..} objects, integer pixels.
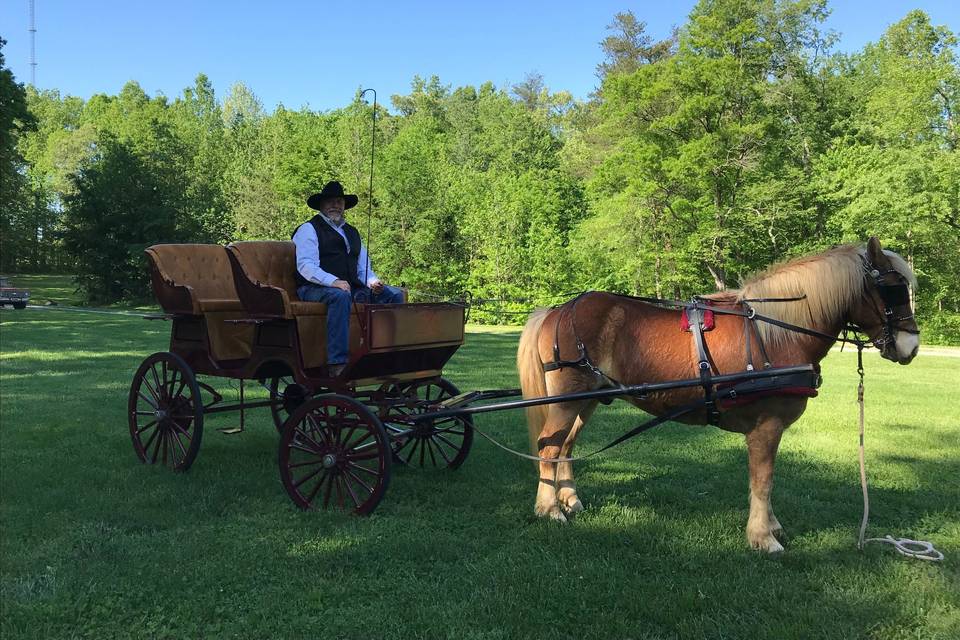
[
  {"x": 119, "y": 206},
  {"x": 17, "y": 220}
]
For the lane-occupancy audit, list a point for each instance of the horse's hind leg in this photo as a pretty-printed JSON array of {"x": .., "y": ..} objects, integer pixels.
[
  {"x": 762, "y": 443},
  {"x": 552, "y": 439},
  {"x": 567, "y": 493}
]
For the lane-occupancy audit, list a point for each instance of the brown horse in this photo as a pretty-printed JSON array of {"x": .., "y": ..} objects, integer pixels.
[{"x": 635, "y": 342}]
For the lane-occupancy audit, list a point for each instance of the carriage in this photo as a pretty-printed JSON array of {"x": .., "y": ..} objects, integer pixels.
[{"x": 235, "y": 314}]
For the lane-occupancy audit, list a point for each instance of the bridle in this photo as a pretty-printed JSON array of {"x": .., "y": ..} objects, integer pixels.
[{"x": 895, "y": 297}]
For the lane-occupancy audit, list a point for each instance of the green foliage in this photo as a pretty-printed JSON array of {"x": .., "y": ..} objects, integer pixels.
[
  {"x": 18, "y": 234},
  {"x": 118, "y": 207},
  {"x": 737, "y": 141}
]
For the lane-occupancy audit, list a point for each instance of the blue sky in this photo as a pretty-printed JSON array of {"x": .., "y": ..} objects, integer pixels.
[{"x": 316, "y": 54}]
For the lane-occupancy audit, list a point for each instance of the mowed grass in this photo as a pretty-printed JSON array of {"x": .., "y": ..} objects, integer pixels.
[
  {"x": 95, "y": 544},
  {"x": 47, "y": 289}
]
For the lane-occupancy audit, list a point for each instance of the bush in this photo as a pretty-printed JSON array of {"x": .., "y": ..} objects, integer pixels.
[{"x": 941, "y": 328}]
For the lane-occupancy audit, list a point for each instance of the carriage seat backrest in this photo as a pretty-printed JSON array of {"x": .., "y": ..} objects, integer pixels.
[
  {"x": 264, "y": 272},
  {"x": 192, "y": 278}
]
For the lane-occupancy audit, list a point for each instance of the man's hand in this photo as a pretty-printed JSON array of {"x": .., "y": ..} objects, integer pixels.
[
  {"x": 343, "y": 285},
  {"x": 376, "y": 286}
]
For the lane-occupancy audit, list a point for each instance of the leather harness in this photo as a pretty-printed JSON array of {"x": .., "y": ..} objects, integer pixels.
[{"x": 892, "y": 295}]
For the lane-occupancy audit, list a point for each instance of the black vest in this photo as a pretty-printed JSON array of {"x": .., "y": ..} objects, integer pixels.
[{"x": 333, "y": 255}]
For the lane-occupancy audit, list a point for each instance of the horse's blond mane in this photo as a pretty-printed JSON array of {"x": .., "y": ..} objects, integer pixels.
[{"x": 829, "y": 281}]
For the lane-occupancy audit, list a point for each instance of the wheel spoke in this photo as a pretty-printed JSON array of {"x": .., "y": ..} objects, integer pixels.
[
  {"x": 172, "y": 437},
  {"x": 349, "y": 487},
  {"x": 327, "y": 491},
  {"x": 413, "y": 450},
  {"x": 302, "y": 434},
  {"x": 338, "y": 481},
  {"x": 316, "y": 490},
  {"x": 431, "y": 445},
  {"x": 146, "y": 447},
  {"x": 156, "y": 402},
  {"x": 307, "y": 477},
  {"x": 372, "y": 455},
  {"x": 359, "y": 480},
  {"x": 152, "y": 423},
  {"x": 361, "y": 443},
  {"x": 175, "y": 435},
  {"x": 440, "y": 438},
  {"x": 359, "y": 467},
  {"x": 304, "y": 464}
]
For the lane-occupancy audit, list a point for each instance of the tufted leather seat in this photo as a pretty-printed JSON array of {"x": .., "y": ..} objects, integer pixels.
[
  {"x": 264, "y": 272},
  {"x": 196, "y": 280}
]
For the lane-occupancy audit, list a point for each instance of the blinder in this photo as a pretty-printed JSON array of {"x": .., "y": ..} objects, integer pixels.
[{"x": 893, "y": 296}]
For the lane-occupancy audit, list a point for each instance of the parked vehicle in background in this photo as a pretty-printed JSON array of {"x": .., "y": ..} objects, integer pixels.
[{"x": 11, "y": 295}]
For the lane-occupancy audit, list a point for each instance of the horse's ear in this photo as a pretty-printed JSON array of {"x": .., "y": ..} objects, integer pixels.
[{"x": 874, "y": 250}]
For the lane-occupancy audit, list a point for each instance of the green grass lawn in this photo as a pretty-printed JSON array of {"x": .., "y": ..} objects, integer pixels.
[{"x": 95, "y": 544}]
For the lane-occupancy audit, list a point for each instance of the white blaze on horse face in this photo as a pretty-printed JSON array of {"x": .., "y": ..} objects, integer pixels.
[{"x": 907, "y": 346}]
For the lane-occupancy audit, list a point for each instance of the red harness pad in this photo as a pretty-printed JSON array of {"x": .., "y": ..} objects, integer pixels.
[{"x": 707, "y": 320}]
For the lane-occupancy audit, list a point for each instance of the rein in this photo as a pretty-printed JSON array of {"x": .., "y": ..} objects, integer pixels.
[{"x": 919, "y": 549}]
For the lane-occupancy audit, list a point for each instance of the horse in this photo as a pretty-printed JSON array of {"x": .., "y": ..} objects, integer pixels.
[{"x": 630, "y": 341}]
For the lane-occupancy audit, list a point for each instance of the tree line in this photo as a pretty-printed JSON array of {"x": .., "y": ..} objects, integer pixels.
[{"x": 739, "y": 140}]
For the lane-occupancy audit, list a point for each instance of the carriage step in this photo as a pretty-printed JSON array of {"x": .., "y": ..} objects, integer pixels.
[{"x": 229, "y": 431}]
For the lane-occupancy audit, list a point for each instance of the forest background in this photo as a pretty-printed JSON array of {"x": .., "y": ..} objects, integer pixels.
[{"x": 741, "y": 140}]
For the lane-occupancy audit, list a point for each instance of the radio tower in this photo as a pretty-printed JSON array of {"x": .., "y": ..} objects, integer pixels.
[{"x": 33, "y": 47}]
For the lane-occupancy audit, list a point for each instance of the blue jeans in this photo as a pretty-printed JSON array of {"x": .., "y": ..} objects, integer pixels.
[{"x": 338, "y": 304}]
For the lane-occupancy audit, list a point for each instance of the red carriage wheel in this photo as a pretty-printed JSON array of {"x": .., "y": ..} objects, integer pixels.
[
  {"x": 435, "y": 443},
  {"x": 165, "y": 412},
  {"x": 334, "y": 454},
  {"x": 287, "y": 395}
]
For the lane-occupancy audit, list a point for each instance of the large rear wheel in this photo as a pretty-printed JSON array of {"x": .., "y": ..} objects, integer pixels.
[
  {"x": 334, "y": 454},
  {"x": 165, "y": 412}
]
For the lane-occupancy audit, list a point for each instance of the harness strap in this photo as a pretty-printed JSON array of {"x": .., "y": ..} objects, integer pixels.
[{"x": 695, "y": 314}]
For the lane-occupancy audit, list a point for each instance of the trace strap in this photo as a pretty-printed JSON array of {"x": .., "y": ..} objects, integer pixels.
[{"x": 649, "y": 424}]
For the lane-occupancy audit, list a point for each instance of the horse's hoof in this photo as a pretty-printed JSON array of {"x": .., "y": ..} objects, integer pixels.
[
  {"x": 767, "y": 543},
  {"x": 552, "y": 513},
  {"x": 573, "y": 506}
]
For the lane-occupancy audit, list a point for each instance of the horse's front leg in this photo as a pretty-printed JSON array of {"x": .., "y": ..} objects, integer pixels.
[
  {"x": 762, "y": 443},
  {"x": 567, "y": 493}
]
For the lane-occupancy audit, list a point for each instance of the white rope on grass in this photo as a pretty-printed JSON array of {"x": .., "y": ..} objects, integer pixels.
[{"x": 919, "y": 549}]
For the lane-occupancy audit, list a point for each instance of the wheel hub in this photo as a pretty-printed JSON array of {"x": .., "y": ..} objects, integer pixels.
[{"x": 329, "y": 461}]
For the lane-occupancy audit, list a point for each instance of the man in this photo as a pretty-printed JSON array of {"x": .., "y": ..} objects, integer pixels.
[{"x": 333, "y": 267}]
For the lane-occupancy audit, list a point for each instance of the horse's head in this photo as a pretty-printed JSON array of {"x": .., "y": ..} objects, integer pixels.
[{"x": 885, "y": 313}]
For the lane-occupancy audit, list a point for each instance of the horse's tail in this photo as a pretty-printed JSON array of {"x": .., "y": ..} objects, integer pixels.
[{"x": 532, "y": 381}]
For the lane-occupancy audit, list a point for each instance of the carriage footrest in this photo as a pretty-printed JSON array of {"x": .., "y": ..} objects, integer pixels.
[{"x": 229, "y": 431}]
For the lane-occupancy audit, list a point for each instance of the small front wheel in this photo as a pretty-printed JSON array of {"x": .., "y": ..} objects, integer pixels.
[
  {"x": 287, "y": 395},
  {"x": 165, "y": 412},
  {"x": 431, "y": 443},
  {"x": 334, "y": 453}
]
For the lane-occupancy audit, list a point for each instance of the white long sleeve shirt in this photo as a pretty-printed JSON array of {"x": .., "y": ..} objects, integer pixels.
[{"x": 308, "y": 256}]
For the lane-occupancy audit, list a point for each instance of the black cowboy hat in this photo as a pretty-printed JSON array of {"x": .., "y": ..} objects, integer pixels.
[{"x": 332, "y": 189}]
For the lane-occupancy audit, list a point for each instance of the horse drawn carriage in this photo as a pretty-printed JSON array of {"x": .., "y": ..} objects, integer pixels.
[{"x": 235, "y": 314}]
